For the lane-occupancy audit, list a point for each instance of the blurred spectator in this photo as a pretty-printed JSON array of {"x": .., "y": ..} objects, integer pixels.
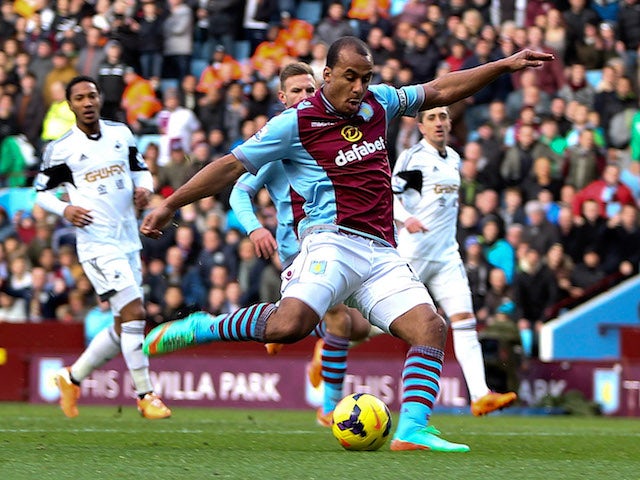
[
  {"x": 589, "y": 50},
  {"x": 259, "y": 101},
  {"x": 138, "y": 100},
  {"x": 628, "y": 27},
  {"x": 256, "y": 22},
  {"x": 42, "y": 62},
  {"x": 562, "y": 267},
  {"x": 497, "y": 251},
  {"x": 270, "y": 280},
  {"x": 29, "y": 109},
  {"x": 575, "y": 19},
  {"x": 517, "y": 99},
  {"x": 586, "y": 273},
  {"x": 620, "y": 241},
  {"x": 616, "y": 111},
  {"x": 7, "y": 228},
  {"x": 19, "y": 275},
  {"x": 555, "y": 32},
  {"x": 292, "y": 31},
  {"x": 221, "y": 71},
  {"x": 58, "y": 118},
  {"x": 61, "y": 71},
  {"x": 334, "y": 25},
  {"x": 550, "y": 76},
  {"x": 422, "y": 56},
  {"x": 468, "y": 226},
  {"x": 541, "y": 179},
  {"x": 111, "y": 81},
  {"x": 584, "y": 161},
  {"x": 477, "y": 270},
  {"x": 518, "y": 160},
  {"x": 512, "y": 210},
  {"x": 92, "y": 54},
  {"x": 177, "y": 30},
  {"x": 577, "y": 87},
  {"x": 539, "y": 233},
  {"x": 224, "y": 19},
  {"x": 173, "y": 304},
  {"x": 370, "y": 15},
  {"x": 535, "y": 290},
  {"x": 44, "y": 296},
  {"x": 174, "y": 122},
  {"x": 630, "y": 176},
  {"x": 608, "y": 192},
  {"x": 175, "y": 173},
  {"x": 555, "y": 143},
  {"x": 12, "y": 309},
  {"x": 217, "y": 301},
  {"x": 591, "y": 226},
  {"x": 150, "y": 39},
  {"x": 499, "y": 294},
  {"x": 488, "y": 204}
]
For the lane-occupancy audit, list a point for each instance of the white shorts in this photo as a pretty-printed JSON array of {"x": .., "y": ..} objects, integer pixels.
[
  {"x": 447, "y": 283},
  {"x": 117, "y": 278},
  {"x": 334, "y": 267}
]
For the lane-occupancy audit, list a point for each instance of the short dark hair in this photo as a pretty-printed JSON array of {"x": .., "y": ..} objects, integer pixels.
[
  {"x": 343, "y": 43},
  {"x": 79, "y": 79},
  {"x": 294, "y": 69}
]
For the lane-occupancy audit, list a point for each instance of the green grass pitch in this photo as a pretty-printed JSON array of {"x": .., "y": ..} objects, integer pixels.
[{"x": 38, "y": 443}]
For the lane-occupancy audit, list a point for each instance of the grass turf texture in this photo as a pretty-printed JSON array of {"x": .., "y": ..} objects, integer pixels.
[{"x": 38, "y": 443}]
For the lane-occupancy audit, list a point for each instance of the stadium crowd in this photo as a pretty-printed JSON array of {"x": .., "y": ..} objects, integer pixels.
[{"x": 551, "y": 157}]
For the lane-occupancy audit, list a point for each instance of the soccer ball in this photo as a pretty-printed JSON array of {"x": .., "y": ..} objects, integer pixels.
[{"x": 361, "y": 421}]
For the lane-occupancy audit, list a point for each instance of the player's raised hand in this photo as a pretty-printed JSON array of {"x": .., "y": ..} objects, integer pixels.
[
  {"x": 528, "y": 58},
  {"x": 78, "y": 216},
  {"x": 155, "y": 221}
]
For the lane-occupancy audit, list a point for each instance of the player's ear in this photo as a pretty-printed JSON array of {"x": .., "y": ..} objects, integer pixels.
[{"x": 326, "y": 73}]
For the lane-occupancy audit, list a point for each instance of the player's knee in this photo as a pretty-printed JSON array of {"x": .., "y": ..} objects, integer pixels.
[
  {"x": 288, "y": 331},
  {"x": 133, "y": 311},
  {"x": 360, "y": 327},
  {"x": 338, "y": 321},
  {"x": 292, "y": 321}
]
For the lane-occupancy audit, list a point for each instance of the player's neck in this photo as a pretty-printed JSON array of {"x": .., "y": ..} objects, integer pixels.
[
  {"x": 441, "y": 148},
  {"x": 91, "y": 130}
]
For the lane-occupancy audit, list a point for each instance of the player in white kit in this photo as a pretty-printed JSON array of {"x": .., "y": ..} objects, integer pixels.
[
  {"x": 97, "y": 165},
  {"x": 426, "y": 179}
]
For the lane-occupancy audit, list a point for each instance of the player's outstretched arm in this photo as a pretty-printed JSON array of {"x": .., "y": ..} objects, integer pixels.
[
  {"x": 208, "y": 181},
  {"x": 455, "y": 86}
]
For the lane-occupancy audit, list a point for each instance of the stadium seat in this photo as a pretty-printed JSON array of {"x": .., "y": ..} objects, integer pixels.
[
  {"x": 16, "y": 199},
  {"x": 197, "y": 66},
  {"x": 309, "y": 11},
  {"x": 144, "y": 140},
  {"x": 168, "y": 83},
  {"x": 241, "y": 49}
]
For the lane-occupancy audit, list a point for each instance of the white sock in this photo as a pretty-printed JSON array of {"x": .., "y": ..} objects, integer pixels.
[
  {"x": 137, "y": 363},
  {"x": 104, "y": 346},
  {"x": 469, "y": 355}
]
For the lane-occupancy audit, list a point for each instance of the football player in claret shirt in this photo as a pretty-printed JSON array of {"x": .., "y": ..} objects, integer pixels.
[
  {"x": 98, "y": 166},
  {"x": 341, "y": 323},
  {"x": 333, "y": 149}
]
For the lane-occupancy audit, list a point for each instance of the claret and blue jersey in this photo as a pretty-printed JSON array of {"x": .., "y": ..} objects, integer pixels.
[{"x": 323, "y": 153}]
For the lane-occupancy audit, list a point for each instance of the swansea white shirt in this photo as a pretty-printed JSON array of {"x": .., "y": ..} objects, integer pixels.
[
  {"x": 426, "y": 187},
  {"x": 100, "y": 174}
]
